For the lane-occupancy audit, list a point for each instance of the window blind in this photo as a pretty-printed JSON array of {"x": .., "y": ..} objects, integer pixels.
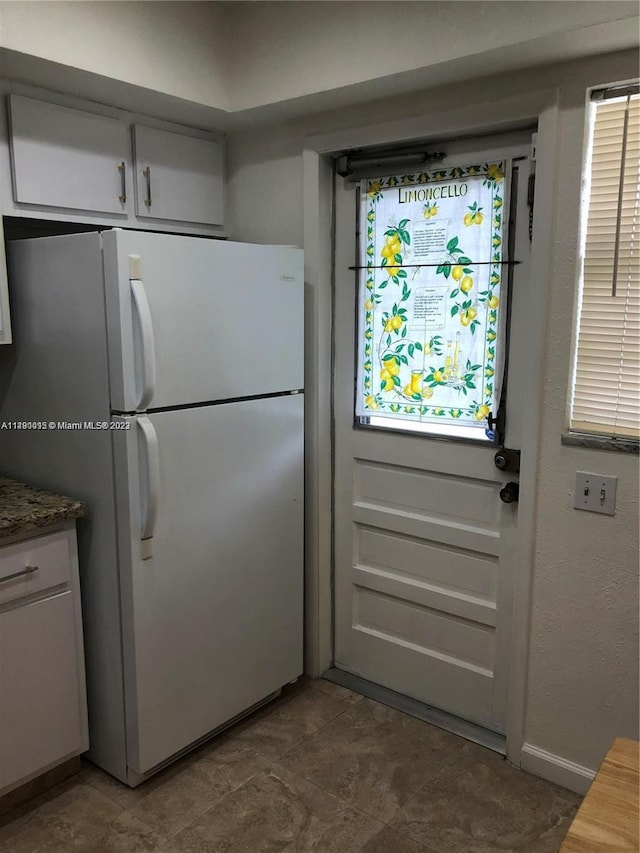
[{"x": 606, "y": 388}]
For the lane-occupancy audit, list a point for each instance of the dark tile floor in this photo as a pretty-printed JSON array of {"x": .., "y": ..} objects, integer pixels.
[{"x": 320, "y": 769}]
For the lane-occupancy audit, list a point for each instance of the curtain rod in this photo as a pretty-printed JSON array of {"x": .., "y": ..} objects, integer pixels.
[{"x": 473, "y": 264}]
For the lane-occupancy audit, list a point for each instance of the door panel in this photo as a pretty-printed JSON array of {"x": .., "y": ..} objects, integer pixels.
[
  {"x": 226, "y": 318},
  {"x": 424, "y": 493},
  {"x": 213, "y": 617},
  {"x": 424, "y": 548}
]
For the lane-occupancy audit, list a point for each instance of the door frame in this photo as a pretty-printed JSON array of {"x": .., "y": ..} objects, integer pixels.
[{"x": 477, "y": 118}]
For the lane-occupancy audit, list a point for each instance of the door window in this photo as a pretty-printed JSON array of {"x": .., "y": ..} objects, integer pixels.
[{"x": 430, "y": 300}]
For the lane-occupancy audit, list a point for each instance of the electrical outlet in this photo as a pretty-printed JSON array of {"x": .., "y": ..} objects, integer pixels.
[{"x": 595, "y": 493}]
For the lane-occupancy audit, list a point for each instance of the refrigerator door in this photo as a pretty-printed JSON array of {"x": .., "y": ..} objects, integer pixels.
[
  {"x": 210, "y": 521},
  {"x": 193, "y": 320}
]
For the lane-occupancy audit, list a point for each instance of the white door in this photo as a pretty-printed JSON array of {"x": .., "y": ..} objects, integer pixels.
[
  {"x": 178, "y": 177},
  {"x": 195, "y": 320},
  {"x": 212, "y": 598},
  {"x": 424, "y": 547},
  {"x": 68, "y": 158}
]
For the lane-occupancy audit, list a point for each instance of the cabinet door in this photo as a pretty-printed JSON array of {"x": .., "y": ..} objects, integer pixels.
[
  {"x": 40, "y": 709},
  {"x": 67, "y": 158},
  {"x": 5, "y": 318},
  {"x": 178, "y": 177}
]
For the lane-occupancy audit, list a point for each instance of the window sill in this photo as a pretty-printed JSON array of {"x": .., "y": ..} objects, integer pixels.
[{"x": 601, "y": 442}]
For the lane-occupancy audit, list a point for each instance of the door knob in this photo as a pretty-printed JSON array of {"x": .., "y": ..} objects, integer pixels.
[
  {"x": 509, "y": 494},
  {"x": 507, "y": 460}
]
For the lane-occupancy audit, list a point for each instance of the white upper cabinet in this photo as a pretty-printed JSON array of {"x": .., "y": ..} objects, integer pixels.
[
  {"x": 178, "y": 178},
  {"x": 68, "y": 158}
]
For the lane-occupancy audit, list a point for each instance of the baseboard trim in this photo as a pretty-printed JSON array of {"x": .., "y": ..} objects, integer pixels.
[
  {"x": 41, "y": 782},
  {"x": 556, "y": 769}
]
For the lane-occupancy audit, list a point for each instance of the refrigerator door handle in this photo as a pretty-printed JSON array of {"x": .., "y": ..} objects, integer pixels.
[
  {"x": 150, "y": 438},
  {"x": 148, "y": 351}
]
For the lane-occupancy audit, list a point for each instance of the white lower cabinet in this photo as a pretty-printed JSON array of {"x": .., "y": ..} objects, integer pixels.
[{"x": 43, "y": 714}]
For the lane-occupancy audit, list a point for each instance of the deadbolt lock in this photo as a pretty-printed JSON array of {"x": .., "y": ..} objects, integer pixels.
[{"x": 507, "y": 460}]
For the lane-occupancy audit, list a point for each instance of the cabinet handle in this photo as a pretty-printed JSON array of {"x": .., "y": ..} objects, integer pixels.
[
  {"x": 122, "y": 168},
  {"x": 147, "y": 173},
  {"x": 28, "y": 570}
]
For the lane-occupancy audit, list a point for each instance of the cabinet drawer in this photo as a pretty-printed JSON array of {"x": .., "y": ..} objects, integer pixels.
[{"x": 34, "y": 565}]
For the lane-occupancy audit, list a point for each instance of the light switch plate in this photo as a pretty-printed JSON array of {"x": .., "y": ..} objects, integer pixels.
[{"x": 595, "y": 492}]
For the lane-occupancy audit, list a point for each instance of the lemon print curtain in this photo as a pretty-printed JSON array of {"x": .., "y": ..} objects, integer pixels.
[{"x": 430, "y": 295}]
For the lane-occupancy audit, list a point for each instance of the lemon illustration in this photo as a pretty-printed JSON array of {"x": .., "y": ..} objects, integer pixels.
[
  {"x": 396, "y": 321},
  {"x": 457, "y": 272},
  {"x": 465, "y": 319},
  {"x": 370, "y": 402},
  {"x": 393, "y": 367},
  {"x": 466, "y": 284},
  {"x": 438, "y": 376},
  {"x": 477, "y": 218},
  {"x": 468, "y": 219},
  {"x": 472, "y": 313},
  {"x": 493, "y": 302},
  {"x": 388, "y": 385},
  {"x": 481, "y": 413},
  {"x": 491, "y": 335},
  {"x": 494, "y": 172},
  {"x": 388, "y": 327},
  {"x": 384, "y": 374},
  {"x": 427, "y": 393},
  {"x": 373, "y": 189},
  {"x": 368, "y": 304}
]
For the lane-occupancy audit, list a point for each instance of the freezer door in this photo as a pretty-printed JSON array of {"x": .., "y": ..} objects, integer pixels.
[
  {"x": 195, "y": 320},
  {"x": 210, "y": 506}
]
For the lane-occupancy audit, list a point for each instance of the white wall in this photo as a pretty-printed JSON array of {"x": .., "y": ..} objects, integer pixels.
[
  {"x": 245, "y": 58},
  {"x": 583, "y": 671},
  {"x": 287, "y": 50},
  {"x": 177, "y": 48}
]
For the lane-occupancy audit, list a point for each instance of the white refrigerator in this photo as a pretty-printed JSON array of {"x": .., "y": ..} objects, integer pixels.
[{"x": 160, "y": 379}]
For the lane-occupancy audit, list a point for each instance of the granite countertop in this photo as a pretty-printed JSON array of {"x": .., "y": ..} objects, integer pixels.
[{"x": 24, "y": 508}]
